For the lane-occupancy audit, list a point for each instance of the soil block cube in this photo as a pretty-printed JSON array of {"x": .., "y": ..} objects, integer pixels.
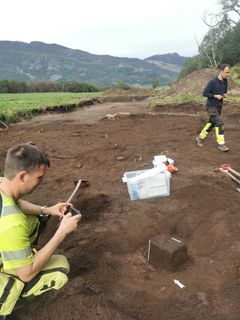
[{"x": 167, "y": 252}]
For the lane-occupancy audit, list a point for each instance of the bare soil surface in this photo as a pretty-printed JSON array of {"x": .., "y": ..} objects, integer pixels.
[{"x": 110, "y": 276}]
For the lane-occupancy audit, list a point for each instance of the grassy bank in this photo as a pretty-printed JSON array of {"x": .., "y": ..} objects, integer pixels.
[
  {"x": 13, "y": 104},
  {"x": 188, "y": 98},
  {"x": 174, "y": 100}
]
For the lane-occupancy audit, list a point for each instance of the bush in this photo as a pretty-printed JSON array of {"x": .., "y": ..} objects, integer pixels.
[
  {"x": 15, "y": 86},
  {"x": 122, "y": 85}
]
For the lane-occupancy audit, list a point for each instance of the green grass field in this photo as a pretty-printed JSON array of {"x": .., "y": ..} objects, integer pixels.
[{"x": 12, "y": 103}]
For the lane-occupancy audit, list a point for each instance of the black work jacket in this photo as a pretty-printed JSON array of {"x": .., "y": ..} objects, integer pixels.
[{"x": 215, "y": 86}]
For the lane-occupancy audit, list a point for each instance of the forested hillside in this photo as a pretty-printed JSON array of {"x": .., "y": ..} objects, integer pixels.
[
  {"x": 43, "y": 62},
  {"x": 172, "y": 61}
]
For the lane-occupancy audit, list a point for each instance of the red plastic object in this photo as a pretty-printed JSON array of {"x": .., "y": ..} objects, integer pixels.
[{"x": 225, "y": 166}]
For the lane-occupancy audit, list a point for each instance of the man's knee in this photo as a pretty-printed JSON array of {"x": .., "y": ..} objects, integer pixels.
[
  {"x": 52, "y": 277},
  {"x": 59, "y": 262},
  {"x": 46, "y": 281},
  {"x": 219, "y": 122}
]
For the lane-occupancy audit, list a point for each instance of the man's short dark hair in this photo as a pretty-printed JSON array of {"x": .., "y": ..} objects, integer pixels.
[
  {"x": 223, "y": 66},
  {"x": 24, "y": 157}
]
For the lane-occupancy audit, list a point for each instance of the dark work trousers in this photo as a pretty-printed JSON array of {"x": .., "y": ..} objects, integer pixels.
[{"x": 214, "y": 121}]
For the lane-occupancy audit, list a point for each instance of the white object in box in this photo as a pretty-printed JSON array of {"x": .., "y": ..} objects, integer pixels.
[
  {"x": 160, "y": 159},
  {"x": 170, "y": 161},
  {"x": 161, "y": 166},
  {"x": 145, "y": 184}
]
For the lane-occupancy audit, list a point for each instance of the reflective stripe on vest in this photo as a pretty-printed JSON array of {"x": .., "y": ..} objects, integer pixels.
[{"x": 6, "y": 291}]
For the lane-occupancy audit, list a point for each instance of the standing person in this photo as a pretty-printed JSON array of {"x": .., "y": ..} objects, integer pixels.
[
  {"x": 25, "y": 272},
  {"x": 215, "y": 91}
]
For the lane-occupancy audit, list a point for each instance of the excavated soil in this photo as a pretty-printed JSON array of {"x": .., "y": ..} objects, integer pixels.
[
  {"x": 110, "y": 276},
  {"x": 195, "y": 81}
]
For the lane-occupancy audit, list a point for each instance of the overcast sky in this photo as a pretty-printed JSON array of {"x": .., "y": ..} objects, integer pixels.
[{"x": 130, "y": 28}]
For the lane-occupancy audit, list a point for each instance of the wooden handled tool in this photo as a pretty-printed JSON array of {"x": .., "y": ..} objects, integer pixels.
[
  {"x": 234, "y": 172},
  {"x": 230, "y": 175},
  {"x": 74, "y": 191}
]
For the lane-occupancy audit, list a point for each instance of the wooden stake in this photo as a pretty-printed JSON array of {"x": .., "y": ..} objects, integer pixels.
[{"x": 149, "y": 249}]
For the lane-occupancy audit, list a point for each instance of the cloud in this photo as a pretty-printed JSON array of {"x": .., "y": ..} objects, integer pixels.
[{"x": 108, "y": 27}]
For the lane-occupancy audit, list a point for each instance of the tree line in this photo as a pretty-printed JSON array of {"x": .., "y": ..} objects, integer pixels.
[
  {"x": 221, "y": 44},
  {"x": 16, "y": 86}
]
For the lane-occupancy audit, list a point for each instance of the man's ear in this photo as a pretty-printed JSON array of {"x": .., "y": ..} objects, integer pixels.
[{"x": 21, "y": 176}]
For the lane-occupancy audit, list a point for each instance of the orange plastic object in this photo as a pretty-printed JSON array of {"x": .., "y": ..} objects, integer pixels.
[{"x": 171, "y": 168}]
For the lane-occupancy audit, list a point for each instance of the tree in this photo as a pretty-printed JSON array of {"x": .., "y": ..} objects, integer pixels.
[
  {"x": 231, "y": 8},
  {"x": 123, "y": 85},
  {"x": 12, "y": 86},
  {"x": 221, "y": 44},
  {"x": 211, "y": 45},
  {"x": 192, "y": 64},
  {"x": 231, "y": 45},
  {"x": 155, "y": 83}
]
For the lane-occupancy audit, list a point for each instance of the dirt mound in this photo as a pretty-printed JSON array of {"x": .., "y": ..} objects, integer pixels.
[
  {"x": 131, "y": 92},
  {"x": 194, "y": 83}
]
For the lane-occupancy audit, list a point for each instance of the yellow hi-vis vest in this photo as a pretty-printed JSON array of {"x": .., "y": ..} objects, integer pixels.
[{"x": 17, "y": 232}]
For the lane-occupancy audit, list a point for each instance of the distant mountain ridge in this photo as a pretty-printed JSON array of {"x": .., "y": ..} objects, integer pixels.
[
  {"x": 42, "y": 62},
  {"x": 172, "y": 58}
]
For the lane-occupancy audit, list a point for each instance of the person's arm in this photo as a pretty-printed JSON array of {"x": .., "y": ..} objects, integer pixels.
[
  {"x": 226, "y": 89},
  {"x": 68, "y": 224},
  {"x": 34, "y": 209},
  {"x": 208, "y": 90}
]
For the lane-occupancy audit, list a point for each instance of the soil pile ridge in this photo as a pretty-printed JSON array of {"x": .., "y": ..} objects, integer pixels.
[{"x": 195, "y": 82}]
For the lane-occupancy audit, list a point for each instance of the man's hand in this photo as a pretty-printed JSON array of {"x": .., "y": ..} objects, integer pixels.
[
  {"x": 218, "y": 96},
  {"x": 69, "y": 223},
  {"x": 58, "y": 209}
]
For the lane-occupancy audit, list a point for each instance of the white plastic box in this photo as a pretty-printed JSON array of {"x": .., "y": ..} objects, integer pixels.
[{"x": 145, "y": 184}]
